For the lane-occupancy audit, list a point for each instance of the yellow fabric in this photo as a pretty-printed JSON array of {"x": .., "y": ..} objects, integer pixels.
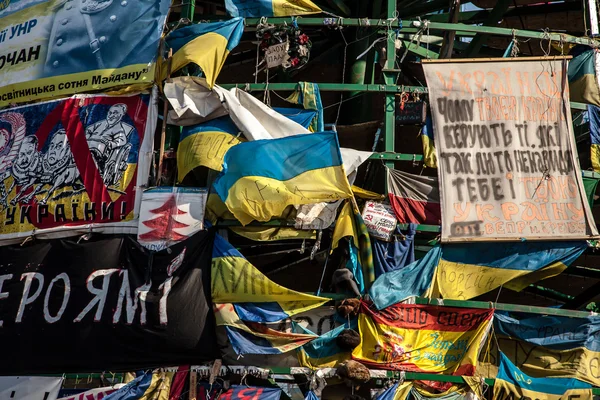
[
  {"x": 235, "y": 280},
  {"x": 595, "y": 157},
  {"x": 429, "y": 156},
  {"x": 286, "y": 8},
  {"x": 262, "y": 198},
  {"x": 208, "y": 51},
  {"x": 344, "y": 226},
  {"x": 585, "y": 90},
  {"x": 205, "y": 149},
  {"x": 160, "y": 386},
  {"x": 465, "y": 281},
  {"x": 419, "y": 350},
  {"x": 403, "y": 390},
  {"x": 323, "y": 362},
  {"x": 475, "y": 385},
  {"x": 366, "y": 194},
  {"x": 506, "y": 390},
  {"x": 216, "y": 209}
]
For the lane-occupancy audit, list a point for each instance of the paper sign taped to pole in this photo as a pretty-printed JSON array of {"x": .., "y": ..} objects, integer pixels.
[
  {"x": 508, "y": 164},
  {"x": 277, "y": 54}
]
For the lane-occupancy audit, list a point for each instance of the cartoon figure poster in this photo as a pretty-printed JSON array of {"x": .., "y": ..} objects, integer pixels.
[{"x": 72, "y": 165}]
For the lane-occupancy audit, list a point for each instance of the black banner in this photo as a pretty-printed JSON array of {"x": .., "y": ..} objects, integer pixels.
[{"x": 105, "y": 304}]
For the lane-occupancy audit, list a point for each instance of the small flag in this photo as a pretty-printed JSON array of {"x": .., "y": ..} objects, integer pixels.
[{"x": 415, "y": 198}]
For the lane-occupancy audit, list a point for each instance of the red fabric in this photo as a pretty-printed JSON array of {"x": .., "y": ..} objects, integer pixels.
[
  {"x": 415, "y": 211},
  {"x": 179, "y": 382}
]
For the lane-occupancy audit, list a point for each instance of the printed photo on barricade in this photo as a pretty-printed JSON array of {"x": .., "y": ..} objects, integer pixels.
[
  {"x": 74, "y": 162},
  {"x": 508, "y": 164},
  {"x": 57, "y": 48}
]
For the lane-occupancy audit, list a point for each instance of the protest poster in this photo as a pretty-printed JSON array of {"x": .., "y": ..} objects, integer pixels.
[
  {"x": 75, "y": 165},
  {"x": 109, "y": 305},
  {"x": 59, "y": 48},
  {"x": 30, "y": 387},
  {"x": 169, "y": 215},
  {"x": 380, "y": 219},
  {"x": 508, "y": 164},
  {"x": 422, "y": 338}
]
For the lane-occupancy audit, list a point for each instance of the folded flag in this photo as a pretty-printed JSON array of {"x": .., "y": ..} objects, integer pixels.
[
  {"x": 583, "y": 82},
  {"x": 465, "y": 271},
  {"x": 205, "y": 145},
  {"x": 511, "y": 383},
  {"x": 422, "y": 338},
  {"x": 551, "y": 346},
  {"x": 270, "y": 8},
  {"x": 414, "y": 198},
  {"x": 302, "y": 169},
  {"x": 308, "y": 95},
  {"x": 429, "y": 155},
  {"x": 145, "y": 387},
  {"x": 324, "y": 352},
  {"x": 245, "y": 300},
  {"x": 206, "y": 45},
  {"x": 594, "y": 118},
  {"x": 350, "y": 224},
  {"x": 468, "y": 270}
]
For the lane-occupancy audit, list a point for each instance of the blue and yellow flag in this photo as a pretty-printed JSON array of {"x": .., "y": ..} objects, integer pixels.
[
  {"x": 298, "y": 115},
  {"x": 324, "y": 352},
  {"x": 270, "y": 8},
  {"x": 245, "y": 301},
  {"x": 594, "y": 118},
  {"x": 206, "y": 45},
  {"x": 583, "y": 83},
  {"x": 205, "y": 145},
  {"x": 551, "y": 346},
  {"x": 465, "y": 271},
  {"x": 511, "y": 383},
  {"x": 147, "y": 386},
  {"x": 261, "y": 178},
  {"x": 350, "y": 224},
  {"x": 308, "y": 95},
  {"x": 429, "y": 155}
]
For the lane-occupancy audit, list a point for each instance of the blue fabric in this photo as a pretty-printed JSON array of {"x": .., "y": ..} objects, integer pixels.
[
  {"x": 389, "y": 393},
  {"x": 260, "y": 312},
  {"x": 508, "y": 372},
  {"x": 552, "y": 332},
  {"x": 280, "y": 159},
  {"x": 221, "y": 124},
  {"x": 311, "y": 396},
  {"x": 394, "y": 255},
  {"x": 298, "y": 115},
  {"x": 133, "y": 390},
  {"x": 354, "y": 266},
  {"x": 524, "y": 256},
  {"x": 326, "y": 344},
  {"x": 231, "y": 30},
  {"x": 222, "y": 248},
  {"x": 593, "y": 115},
  {"x": 412, "y": 280},
  {"x": 246, "y": 343},
  {"x": 249, "y": 8}
]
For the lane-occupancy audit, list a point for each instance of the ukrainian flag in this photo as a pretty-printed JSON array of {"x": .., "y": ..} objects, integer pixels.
[
  {"x": 261, "y": 178},
  {"x": 323, "y": 352},
  {"x": 270, "y": 8},
  {"x": 298, "y": 115},
  {"x": 205, "y": 44},
  {"x": 245, "y": 301},
  {"x": 205, "y": 145},
  {"x": 308, "y": 95},
  {"x": 594, "y": 118},
  {"x": 514, "y": 384},
  {"x": 583, "y": 83},
  {"x": 147, "y": 386},
  {"x": 468, "y": 270},
  {"x": 429, "y": 156}
]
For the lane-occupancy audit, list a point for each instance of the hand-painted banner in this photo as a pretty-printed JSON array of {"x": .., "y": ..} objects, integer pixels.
[
  {"x": 508, "y": 163},
  {"x": 58, "y": 48},
  {"x": 549, "y": 346},
  {"x": 511, "y": 383},
  {"x": 29, "y": 387},
  {"x": 169, "y": 215},
  {"x": 67, "y": 166},
  {"x": 422, "y": 338},
  {"x": 94, "y": 394},
  {"x": 105, "y": 304}
]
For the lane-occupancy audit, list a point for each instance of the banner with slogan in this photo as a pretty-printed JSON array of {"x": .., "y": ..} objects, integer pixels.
[
  {"x": 511, "y": 383},
  {"x": 547, "y": 346},
  {"x": 508, "y": 163},
  {"x": 109, "y": 305},
  {"x": 243, "y": 392},
  {"x": 58, "y": 48},
  {"x": 72, "y": 165},
  {"x": 421, "y": 338},
  {"x": 30, "y": 387}
]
